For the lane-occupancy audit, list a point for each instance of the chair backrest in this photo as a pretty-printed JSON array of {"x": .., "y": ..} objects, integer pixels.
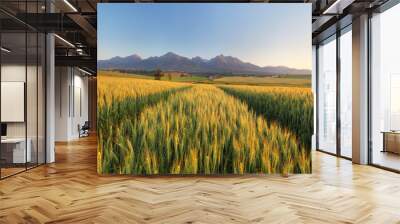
[{"x": 86, "y": 125}]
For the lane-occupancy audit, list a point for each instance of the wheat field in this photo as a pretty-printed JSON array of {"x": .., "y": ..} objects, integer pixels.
[
  {"x": 291, "y": 107},
  {"x": 149, "y": 127}
]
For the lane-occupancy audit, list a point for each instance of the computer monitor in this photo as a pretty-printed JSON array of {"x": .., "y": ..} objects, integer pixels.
[{"x": 3, "y": 129}]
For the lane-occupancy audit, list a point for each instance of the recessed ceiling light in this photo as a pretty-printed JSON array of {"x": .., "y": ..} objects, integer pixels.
[
  {"x": 86, "y": 72},
  {"x": 337, "y": 7},
  {"x": 64, "y": 40},
  {"x": 5, "y": 50},
  {"x": 70, "y": 5}
]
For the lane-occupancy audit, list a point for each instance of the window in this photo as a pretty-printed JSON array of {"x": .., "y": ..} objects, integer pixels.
[
  {"x": 346, "y": 92},
  {"x": 327, "y": 96},
  {"x": 385, "y": 89}
]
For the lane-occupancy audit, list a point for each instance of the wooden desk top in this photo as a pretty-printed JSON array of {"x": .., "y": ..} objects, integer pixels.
[
  {"x": 13, "y": 140},
  {"x": 391, "y": 132}
]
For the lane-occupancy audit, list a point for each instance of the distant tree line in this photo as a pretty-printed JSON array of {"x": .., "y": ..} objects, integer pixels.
[{"x": 158, "y": 74}]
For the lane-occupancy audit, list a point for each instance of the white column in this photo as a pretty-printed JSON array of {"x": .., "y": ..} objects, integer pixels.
[
  {"x": 360, "y": 90},
  {"x": 314, "y": 89},
  {"x": 50, "y": 98}
]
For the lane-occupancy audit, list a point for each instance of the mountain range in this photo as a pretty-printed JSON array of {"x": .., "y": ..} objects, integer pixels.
[{"x": 218, "y": 65}]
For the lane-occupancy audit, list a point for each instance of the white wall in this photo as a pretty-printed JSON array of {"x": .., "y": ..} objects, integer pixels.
[
  {"x": 71, "y": 87},
  {"x": 62, "y": 82},
  {"x": 79, "y": 115},
  {"x": 10, "y": 73},
  {"x": 13, "y": 72}
]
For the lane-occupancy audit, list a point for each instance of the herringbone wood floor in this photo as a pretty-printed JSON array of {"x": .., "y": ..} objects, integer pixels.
[{"x": 70, "y": 191}]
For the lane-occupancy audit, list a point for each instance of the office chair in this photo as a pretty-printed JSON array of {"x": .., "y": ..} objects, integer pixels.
[{"x": 84, "y": 130}]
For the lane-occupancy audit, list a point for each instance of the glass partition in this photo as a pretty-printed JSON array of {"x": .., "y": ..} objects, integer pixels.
[
  {"x": 346, "y": 93},
  {"x": 22, "y": 88},
  {"x": 385, "y": 89},
  {"x": 13, "y": 94},
  {"x": 327, "y": 95}
]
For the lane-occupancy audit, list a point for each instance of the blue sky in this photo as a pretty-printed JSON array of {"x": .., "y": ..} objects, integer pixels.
[{"x": 262, "y": 34}]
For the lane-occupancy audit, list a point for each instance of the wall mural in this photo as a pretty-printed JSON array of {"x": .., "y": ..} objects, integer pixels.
[{"x": 204, "y": 89}]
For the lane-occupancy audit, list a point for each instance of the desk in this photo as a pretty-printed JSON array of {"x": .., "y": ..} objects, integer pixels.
[
  {"x": 391, "y": 141},
  {"x": 13, "y": 150}
]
